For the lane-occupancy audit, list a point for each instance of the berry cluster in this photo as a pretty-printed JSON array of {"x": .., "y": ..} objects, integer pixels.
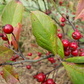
[{"x": 41, "y": 77}]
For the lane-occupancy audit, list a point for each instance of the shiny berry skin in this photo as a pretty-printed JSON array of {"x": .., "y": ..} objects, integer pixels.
[
  {"x": 29, "y": 54},
  {"x": 81, "y": 54},
  {"x": 41, "y": 77},
  {"x": 59, "y": 35},
  {"x": 28, "y": 66},
  {"x": 76, "y": 35},
  {"x": 49, "y": 81},
  {"x": 65, "y": 43},
  {"x": 74, "y": 52},
  {"x": 73, "y": 46},
  {"x": 67, "y": 52},
  {"x": 63, "y": 19},
  {"x": 62, "y": 24},
  {"x": 8, "y": 29},
  {"x": 5, "y": 37}
]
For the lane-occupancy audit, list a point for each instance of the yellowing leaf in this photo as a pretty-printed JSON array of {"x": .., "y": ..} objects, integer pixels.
[
  {"x": 5, "y": 54},
  {"x": 10, "y": 75}
]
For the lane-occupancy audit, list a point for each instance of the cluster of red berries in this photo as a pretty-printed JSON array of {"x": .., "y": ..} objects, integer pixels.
[
  {"x": 7, "y": 29},
  {"x": 47, "y": 12},
  {"x": 63, "y": 20},
  {"x": 13, "y": 58},
  {"x": 41, "y": 77},
  {"x": 52, "y": 60}
]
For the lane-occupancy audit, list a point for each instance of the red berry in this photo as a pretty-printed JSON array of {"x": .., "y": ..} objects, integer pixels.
[
  {"x": 74, "y": 52},
  {"x": 5, "y": 37},
  {"x": 1, "y": 72},
  {"x": 41, "y": 77},
  {"x": 1, "y": 35},
  {"x": 59, "y": 35},
  {"x": 76, "y": 26},
  {"x": 28, "y": 66},
  {"x": 46, "y": 12},
  {"x": 8, "y": 29},
  {"x": 81, "y": 54},
  {"x": 63, "y": 19},
  {"x": 62, "y": 24},
  {"x": 67, "y": 52},
  {"x": 73, "y": 46},
  {"x": 49, "y": 81},
  {"x": 39, "y": 54},
  {"x": 60, "y": 3},
  {"x": 81, "y": 50},
  {"x": 76, "y": 35},
  {"x": 29, "y": 54},
  {"x": 58, "y": 29},
  {"x": 65, "y": 43}
]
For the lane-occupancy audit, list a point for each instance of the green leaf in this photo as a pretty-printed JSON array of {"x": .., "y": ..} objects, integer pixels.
[
  {"x": 70, "y": 33},
  {"x": 76, "y": 59},
  {"x": 1, "y": 8},
  {"x": 60, "y": 48},
  {"x": 10, "y": 75},
  {"x": 5, "y": 54},
  {"x": 44, "y": 30},
  {"x": 75, "y": 72},
  {"x": 12, "y": 14}
]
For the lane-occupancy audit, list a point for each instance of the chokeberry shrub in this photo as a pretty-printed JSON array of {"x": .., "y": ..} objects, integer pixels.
[{"x": 57, "y": 30}]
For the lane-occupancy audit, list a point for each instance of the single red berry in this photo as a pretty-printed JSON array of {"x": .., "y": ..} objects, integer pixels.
[
  {"x": 49, "y": 81},
  {"x": 67, "y": 52},
  {"x": 76, "y": 35},
  {"x": 59, "y": 35},
  {"x": 55, "y": 64},
  {"x": 73, "y": 46},
  {"x": 1, "y": 35},
  {"x": 28, "y": 66},
  {"x": 65, "y": 43},
  {"x": 34, "y": 76},
  {"x": 62, "y": 24},
  {"x": 39, "y": 54},
  {"x": 63, "y": 19},
  {"x": 46, "y": 12},
  {"x": 29, "y": 54},
  {"x": 60, "y": 3},
  {"x": 81, "y": 49},
  {"x": 74, "y": 52},
  {"x": 8, "y": 29},
  {"x": 1, "y": 72},
  {"x": 81, "y": 54},
  {"x": 58, "y": 30},
  {"x": 5, "y": 37},
  {"x": 41, "y": 77},
  {"x": 76, "y": 26}
]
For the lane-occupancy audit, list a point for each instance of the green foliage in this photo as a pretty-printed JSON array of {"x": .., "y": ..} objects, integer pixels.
[
  {"x": 44, "y": 30},
  {"x": 5, "y": 54},
  {"x": 60, "y": 48},
  {"x": 10, "y": 75},
  {"x": 75, "y": 72},
  {"x": 76, "y": 59},
  {"x": 12, "y": 14}
]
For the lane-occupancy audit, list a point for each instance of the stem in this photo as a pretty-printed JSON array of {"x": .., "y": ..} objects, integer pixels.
[
  {"x": 18, "y": 47},
  {"x": 33, "y": 61}
]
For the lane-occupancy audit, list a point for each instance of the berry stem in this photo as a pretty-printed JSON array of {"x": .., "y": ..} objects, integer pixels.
[{"x": 19, "y": 47}]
